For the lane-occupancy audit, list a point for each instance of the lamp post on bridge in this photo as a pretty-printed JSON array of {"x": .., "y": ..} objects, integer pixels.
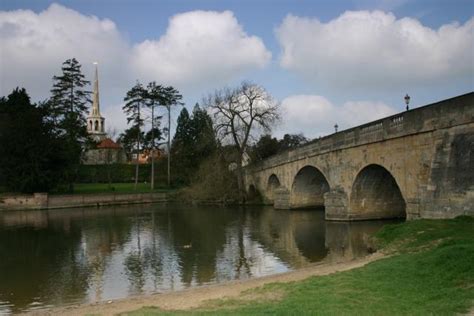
[
  {"x": 336, "y": 127},
  {"x": 407, "y": 101}
]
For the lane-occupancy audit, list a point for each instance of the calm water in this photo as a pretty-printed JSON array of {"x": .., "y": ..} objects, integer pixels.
[{"x": 58, "y": 257}]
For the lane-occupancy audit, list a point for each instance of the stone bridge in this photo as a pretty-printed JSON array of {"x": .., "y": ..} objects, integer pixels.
[{"x": 415, "y": 164}]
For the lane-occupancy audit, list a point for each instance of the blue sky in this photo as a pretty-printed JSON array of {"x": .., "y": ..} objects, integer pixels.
[{"x": 327, "y": 62}]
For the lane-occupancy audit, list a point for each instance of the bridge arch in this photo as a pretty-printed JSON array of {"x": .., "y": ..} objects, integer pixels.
[
  {"x": 308, "y": 188},
  {"x": 273, "y": 183},
  {"x": 253, "y": 195},
  {"x": 376, "y": 194}
]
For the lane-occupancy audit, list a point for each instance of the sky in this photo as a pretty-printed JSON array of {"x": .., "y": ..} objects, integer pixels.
[{"x": 342, "y": 62}]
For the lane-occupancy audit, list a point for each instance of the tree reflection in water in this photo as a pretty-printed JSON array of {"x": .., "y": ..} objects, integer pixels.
[{"x": 71, "y": 256}]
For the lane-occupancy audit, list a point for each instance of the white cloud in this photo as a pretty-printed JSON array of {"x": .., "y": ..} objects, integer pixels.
[
  {"x": 34, "y": 45},
  {"x": 375, "y": 50},
  {"x": 197, "y": 47},
  {"x": 200, "y": 47},
  {"x": 314, "y": 115}
]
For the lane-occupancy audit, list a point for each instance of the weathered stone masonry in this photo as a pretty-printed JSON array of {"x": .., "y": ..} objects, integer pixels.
[{"x": 416, "y": 164}]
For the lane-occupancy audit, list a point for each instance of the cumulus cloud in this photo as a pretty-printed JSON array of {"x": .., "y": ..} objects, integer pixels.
[
  {"x": 198, "y": 47},
  {"x": 363, "y": 49},
  {"x": 315, "y": 115},
  {"x": 34, "y": 45}
]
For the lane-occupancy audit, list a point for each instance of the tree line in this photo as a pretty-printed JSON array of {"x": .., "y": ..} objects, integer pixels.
[{"x": 42, "y": 144}]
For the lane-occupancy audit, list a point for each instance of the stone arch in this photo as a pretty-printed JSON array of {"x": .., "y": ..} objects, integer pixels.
[
  {"x": 272, "y": 184},
  {"x": 308, "y": 188},
  {"x": 90, "y": 125},
  {"x": 376, "y": 194},
  {"x": 96, "y": 125}
]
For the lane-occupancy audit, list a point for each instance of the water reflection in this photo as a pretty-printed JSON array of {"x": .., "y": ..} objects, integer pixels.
[{"x": 85, "y": 255}]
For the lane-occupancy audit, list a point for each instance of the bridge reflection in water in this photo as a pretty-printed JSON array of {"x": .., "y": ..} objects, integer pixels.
[{"x": 85, "y": 255}]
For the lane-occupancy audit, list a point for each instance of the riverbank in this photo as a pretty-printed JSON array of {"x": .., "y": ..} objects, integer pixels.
[
  {"x": 422, "y": 267},
  {"x": 196, "y": 297},
  {"x": 44, "y": 201}
]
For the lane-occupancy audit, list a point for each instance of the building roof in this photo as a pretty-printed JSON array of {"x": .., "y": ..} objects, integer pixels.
[{"x": 108, "y": 143}]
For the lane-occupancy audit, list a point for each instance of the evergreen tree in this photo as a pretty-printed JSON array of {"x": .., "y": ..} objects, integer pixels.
[
  {"x": 32, "y": 157},
  {"x": 154, "y": 97},
  {"x": 128, "y": 140},
  {"x": 134, "y": 100},
  {"x": 290, "y": 141},
  {"x": 265, "y": 147},
  {"x": 182, "y": 136},
  {"x": 69, "y": 100},
  {"x": 67, "y": 110},
  {"x": 204, "y": 138},
  {"x": 181, "y": 149},
  {"x": 170, "y": 97},
  {"x": 151, "y": 138},
  {"x": 268, "y": 146},
  {"x": 193, "y": 142}
]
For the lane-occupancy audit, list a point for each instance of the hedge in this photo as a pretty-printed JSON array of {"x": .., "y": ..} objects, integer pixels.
[{"x": 120, "y": 173}]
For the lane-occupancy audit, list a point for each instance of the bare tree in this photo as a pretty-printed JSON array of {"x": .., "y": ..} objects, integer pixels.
[{"x": 238, "y": 114}]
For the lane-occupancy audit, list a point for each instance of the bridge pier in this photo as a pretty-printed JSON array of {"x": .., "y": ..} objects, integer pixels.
[
  {"x": 336, "y": 205},
  {"x": 413, "y": 209},
  {"x": 281, "y": 199}
]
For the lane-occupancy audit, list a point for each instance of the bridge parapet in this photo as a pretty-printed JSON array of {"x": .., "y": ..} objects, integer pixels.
[{"x": 443, "y": 114}]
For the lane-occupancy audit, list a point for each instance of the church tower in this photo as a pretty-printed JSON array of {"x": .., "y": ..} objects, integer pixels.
[{"x": 95, "y": 122}]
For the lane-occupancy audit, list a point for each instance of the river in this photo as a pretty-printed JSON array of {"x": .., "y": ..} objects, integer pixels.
[{"x": 71, "y": 256}]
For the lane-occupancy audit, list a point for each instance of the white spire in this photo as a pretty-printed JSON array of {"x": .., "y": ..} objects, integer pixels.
[
  {"x": 95, "y": 98},
  {"x": 95, "y": 122}
]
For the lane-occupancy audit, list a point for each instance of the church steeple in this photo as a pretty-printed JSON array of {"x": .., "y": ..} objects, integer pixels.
[
  {"x": 95, "y": 122},
  {"x": 95, "y": 98}
]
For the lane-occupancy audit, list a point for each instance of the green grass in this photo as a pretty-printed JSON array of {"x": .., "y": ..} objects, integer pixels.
[
  {"x": 431, "y": 271},
  {"x": 90, "y": 188}
]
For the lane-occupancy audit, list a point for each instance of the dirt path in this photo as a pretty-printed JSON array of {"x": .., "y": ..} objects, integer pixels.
[{"x": 194, "y": 297}]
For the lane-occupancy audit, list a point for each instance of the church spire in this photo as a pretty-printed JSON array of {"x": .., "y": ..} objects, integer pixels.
[
  {"x": 95, "y": 122},
  {"x": 95, "y": 98}
]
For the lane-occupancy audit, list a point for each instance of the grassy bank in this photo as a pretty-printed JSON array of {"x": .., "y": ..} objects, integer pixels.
[{"x": 430, "y": 271}]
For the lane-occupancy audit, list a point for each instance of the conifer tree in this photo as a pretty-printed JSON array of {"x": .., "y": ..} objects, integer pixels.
[
  {"x": 67, "y": 108},
  {"x": 135, "y": 99},
  {"x": 183, "y": 131},
  {"x": 154, "y": 97},
  {"x": 69, "y": 100},
  {"x": 181, "y": 147},
  {"x": 193, "y": 142},
  {"x": 27, "y": 165},
  {"x": 171, "y": 97},
  {"x": 203, "y": 134},
  {"x": 128, "y": 140}
]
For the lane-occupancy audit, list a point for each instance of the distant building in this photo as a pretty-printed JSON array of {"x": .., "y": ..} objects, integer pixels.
[
  {"x": 145, "y": 156},
  {"x": 107, "y": 151}
]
